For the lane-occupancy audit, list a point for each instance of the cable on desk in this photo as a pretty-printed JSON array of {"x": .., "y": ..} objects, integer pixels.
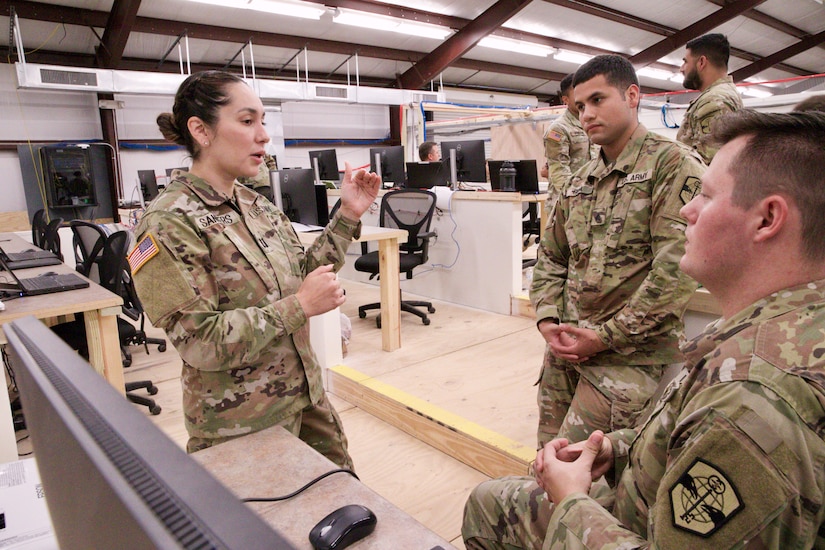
[{"x": 302, "y": 489}]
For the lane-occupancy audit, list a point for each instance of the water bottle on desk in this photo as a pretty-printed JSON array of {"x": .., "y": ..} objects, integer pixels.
[{"x": 507, "y": 176}]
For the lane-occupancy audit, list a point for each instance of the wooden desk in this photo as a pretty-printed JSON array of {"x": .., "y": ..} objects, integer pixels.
[
  {"x": 273, "y": 462},
  {"x": 390, "y": 278},
  {"x": 99, "y": 306}
]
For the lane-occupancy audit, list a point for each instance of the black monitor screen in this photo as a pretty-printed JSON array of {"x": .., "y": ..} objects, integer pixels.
[
  {"x": 527, "y": 175},
  {"x": 148, "y": 184},
  {"x": 69, "y": 176},
  {"x": 470, "y": 160},
  {"x": 301, "y": 200},
  {"x": 327, "y": 164},
  {"x": 424, "y": 175},
  {"x": 392, "y": 163},
  {"x": 111, "y": 478}
]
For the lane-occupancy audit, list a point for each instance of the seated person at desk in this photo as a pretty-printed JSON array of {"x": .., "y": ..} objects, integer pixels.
[
  {"x": 429, "y": 152},
  {"x": 220, "y": 268}
]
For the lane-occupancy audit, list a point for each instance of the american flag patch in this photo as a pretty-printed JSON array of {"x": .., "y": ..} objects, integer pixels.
[
  {"x": 145, "y": 250},
  {"x": 554, "y": 135}
]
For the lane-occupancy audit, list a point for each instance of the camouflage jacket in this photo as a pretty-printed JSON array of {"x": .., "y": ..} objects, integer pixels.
[
  {"x": 220, "y": 276},
  {"x": 734, "y": 452},
  {"x": 721, "y": 97},
  {"x": 567, "y": 149},
  {"x": 609, "y": 258}
]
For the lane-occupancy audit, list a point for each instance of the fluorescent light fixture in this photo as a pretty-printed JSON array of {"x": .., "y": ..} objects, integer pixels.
[
  {"x": 278, "y": 7},
  {"x": 373, "y": 21},
  {"x": 572, "y": 57},
  {"x": 657, "y": 74},
  {"x": 520, "y": 46},
  {"x": 753, "y": 91}
]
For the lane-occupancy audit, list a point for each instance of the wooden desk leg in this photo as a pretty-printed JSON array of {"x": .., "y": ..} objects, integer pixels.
[
  {"x": 388, "y": 267},
  {"x": 542, "y": 218},
  {"x": 104, "y": 347}
]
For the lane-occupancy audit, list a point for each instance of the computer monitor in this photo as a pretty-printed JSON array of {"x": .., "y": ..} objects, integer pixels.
[
  {"x": 327, "y": 164},
  {"x": 424, "y": 175},
  {"x": 470, "y": 159},
  {"x": 391, "y": 160},
  {"x": 148, "y": 184},
  {"x": 111, "y": 478},
  {"x": 301, "y": 200},
  {"x": 70, "y": 179},
  {"x": 527, "y": 175}
]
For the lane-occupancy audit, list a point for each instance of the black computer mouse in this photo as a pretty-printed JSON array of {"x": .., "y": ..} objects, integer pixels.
[
  {"x": 342, "y": 527},
  {"x": 49, "y": 274}
]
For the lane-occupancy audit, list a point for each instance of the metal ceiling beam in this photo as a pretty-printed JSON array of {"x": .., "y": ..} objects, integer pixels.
[
  {"x": 457, "y": 45},
  {"x": 118, "y": 27},
  {"x": 590, "y": 8},
  {"x": 805, "y": 44},
  {"x": 676, "y": 41}
]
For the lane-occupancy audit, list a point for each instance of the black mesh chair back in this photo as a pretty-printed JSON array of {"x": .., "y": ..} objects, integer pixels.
[
  {"x": 45, "y": 233},
  {"x": 411, "y": 210},
  {"x": 88, "y": 240},
  {"x": 39, "y": 227}
]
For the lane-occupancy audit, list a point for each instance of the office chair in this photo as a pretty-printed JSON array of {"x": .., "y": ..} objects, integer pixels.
[
  {"x": 411, "y": 210},
  {"x": 45, "y": 234},
  {"x": 108, "y": 256},
  {"x": 530, "y": 224}
]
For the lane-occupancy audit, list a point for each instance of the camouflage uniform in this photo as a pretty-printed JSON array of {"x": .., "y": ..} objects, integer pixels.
[
  {"x": 567, "y": 149},
  {"x": 609, "y": 261},
  {"x": 732, "y": 454},
  {"x": 719, "y": 98},
  {"x": 220, "y": 276}
]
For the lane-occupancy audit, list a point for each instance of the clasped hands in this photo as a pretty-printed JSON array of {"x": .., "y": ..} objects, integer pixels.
[
  {"x": 562, "y": 469},
  {"x": 571, "y": 343}
]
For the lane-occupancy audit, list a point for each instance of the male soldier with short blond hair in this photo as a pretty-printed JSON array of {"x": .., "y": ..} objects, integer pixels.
[
  {"x": 732, "y": 454},
  {"x": 607, "y": 288}
]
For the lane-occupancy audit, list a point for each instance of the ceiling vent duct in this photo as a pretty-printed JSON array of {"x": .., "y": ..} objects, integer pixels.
[{"x": 71, "y": 78}]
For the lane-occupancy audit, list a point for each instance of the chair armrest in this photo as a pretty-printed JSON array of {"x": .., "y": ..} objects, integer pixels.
[{"x": 428, "y": 235}]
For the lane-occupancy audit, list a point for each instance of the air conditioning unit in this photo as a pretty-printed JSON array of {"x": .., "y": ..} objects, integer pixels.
[
  {"x": 330, "y": 92},
  {"x": 62, "y": 78}
]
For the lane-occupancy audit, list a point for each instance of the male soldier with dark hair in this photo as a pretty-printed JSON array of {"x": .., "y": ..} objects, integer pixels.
[
  {"x": 566, "y": 145},
  {"x": 705, "y": 68},
  {"x": 607, "y": 288},
  {"x": 732, "y": 454}
]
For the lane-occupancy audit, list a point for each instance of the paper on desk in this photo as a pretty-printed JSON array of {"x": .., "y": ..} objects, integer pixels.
[
  {"x": 24, "y": 518},
  {"x": 304, "y": 228}
]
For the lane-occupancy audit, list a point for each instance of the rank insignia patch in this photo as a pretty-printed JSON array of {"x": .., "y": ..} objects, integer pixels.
[{"x": 703, "y": 499}]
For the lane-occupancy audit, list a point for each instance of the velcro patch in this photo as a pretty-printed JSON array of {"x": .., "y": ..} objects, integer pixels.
[
  {"x": 205, "y": 222},
  {"x": 145, "y": 250},
  {"x": 689, "y": 189},
  {"x": 703, "y": 499},
  {"x": 638, "y": 177}
]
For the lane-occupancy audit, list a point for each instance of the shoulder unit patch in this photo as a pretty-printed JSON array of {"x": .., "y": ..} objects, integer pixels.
[{"x": 703, "y": 499}]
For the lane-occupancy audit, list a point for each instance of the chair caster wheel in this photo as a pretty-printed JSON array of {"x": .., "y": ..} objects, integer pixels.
[
  {"x": 126, "y": 363},
  {"x": 431, "y": 309},
  {"x": 154, "y": 410},
  {"x": 362, "y": 314},
  {"x": 152, "y": 390},
  {"x": 426, "y": 321},
  {"x": 161, "y": 347}
]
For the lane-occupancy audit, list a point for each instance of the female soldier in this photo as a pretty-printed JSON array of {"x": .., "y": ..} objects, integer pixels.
[{"x": 220, "y": 268}]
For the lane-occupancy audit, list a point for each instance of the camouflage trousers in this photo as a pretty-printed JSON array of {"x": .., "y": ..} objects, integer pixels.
[
  {"x": 514, "y": 512},
  {"x": 317, "y": 425},
  {"x": 572, "y": 406}
]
